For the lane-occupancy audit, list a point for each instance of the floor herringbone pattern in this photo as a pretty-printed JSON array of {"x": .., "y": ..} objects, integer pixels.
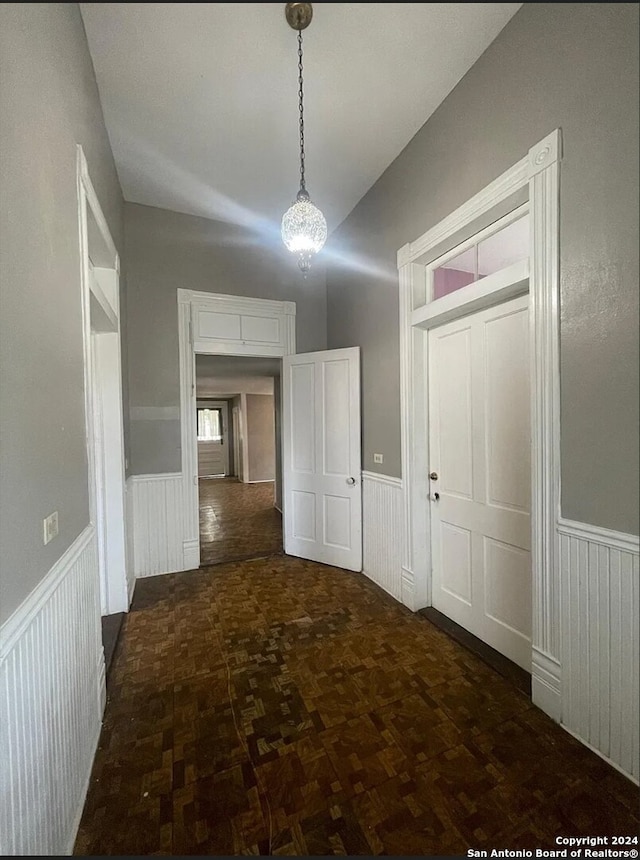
[{"x": 282, "y": 706}]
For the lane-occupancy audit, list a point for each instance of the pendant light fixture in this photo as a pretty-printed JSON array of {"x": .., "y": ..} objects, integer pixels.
[{"x": 304, "y": 229}]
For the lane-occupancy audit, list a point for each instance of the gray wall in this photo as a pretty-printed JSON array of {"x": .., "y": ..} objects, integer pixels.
[
  {"x": 48, "y": 103},
  {"x": 573, "y": 66},
  {"x": 167, "y": 250},
  {"x": 261, "y": 440}
]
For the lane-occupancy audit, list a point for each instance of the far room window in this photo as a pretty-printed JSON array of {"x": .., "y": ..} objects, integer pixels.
[{"x": 209, "y": 425}]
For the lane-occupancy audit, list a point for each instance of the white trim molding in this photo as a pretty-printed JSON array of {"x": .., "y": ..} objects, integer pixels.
[
  {"x": 217, "y": 324},
  {"x": 538, "y": 172},
  {"x": 382, "y": 531},
  {"x": 100, "y": 303},
  {"x": 598, "y": 535},
  {"x": 600, "y": 609},
  {"x": 52, "y": 696}
]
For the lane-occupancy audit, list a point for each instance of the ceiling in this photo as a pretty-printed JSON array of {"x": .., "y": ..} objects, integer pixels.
[{"x": 200, "y": 99}]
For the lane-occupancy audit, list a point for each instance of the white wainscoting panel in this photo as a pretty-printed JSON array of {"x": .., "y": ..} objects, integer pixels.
[
  {"x": 382, "y": 531},
  {"x": 599, "y": 575},
  {"x": 157, "y": 523},
  {"x": 51, "y": 701}
]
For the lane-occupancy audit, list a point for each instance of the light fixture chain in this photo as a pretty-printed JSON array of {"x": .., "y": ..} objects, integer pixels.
[{"x": 301, "y": 107}]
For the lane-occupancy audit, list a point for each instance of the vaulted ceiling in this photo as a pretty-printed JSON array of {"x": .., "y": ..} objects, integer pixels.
[{"x": 200, "y": 99}]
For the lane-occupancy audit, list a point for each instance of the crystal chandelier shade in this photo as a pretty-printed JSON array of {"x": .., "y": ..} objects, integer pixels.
[{"x": 304, "y": 228}]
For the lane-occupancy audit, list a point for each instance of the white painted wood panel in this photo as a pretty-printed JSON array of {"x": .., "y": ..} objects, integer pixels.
[
  {"x": 51, "y": 701},
  {"x": 479, "y": 459},
  {"x": 261, "y": 329},
  {"x": 218, "y": 326},
  {"x": 321, "y": 457},
  {"x": 382, "y": 531},
  {"x": 158, "y": 524},
  {"x": 211, "y": 459},
  {"x": 599, "y": 584}
]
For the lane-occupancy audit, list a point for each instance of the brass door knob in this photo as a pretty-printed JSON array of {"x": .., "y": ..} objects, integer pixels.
[{"x": 433, "y": 476}]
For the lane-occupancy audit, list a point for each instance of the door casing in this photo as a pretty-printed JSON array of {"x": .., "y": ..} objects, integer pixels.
[
  {"x": 538, "y": 175},
  {"x": 250, "y": 327}
]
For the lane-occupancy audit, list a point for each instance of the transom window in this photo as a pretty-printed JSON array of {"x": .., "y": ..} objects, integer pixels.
[{"x": 502, "y": 245}]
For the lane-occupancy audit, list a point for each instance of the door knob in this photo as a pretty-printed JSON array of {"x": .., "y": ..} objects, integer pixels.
[
  {"x": 351, "y": 481},
  {"x": 433, "y": 476}
]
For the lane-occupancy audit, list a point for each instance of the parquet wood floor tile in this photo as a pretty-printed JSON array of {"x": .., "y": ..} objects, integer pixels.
[
  {"x": 237, "y": 521},
  {"x": 285, "y": 707}
]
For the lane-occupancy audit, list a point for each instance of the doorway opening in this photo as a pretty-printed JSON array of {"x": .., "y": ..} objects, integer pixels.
[{"x": 237, "y": 427}]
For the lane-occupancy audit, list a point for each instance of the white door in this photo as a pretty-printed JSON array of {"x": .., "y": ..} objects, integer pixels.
[
  {"x": 321, "y": 457},
  {"x": 213, "y": 438},
  {"x": 479, "y": 460}
]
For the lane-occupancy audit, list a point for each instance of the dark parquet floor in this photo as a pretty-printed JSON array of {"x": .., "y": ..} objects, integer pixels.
[
  {"x": 281, "y": 706},
  {"x": 237, "y": 521}
]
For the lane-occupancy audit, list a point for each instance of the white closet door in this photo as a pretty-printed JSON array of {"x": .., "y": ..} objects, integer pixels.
[{"x": 479, "y": 439}]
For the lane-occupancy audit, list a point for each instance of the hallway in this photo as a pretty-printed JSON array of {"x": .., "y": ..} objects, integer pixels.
[
  {"x": 237, "y": 521},
  {"x": 281, "y": 706}
]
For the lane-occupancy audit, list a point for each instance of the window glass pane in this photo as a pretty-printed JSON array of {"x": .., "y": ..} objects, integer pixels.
[
  {"x": 456, "y": 273},
  {"x": 209, "y": 425},
  {"x": 505, "y": 248}
]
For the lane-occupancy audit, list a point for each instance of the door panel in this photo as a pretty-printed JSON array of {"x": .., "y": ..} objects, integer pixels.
[
  {"x": 479, "y": 441},
  {"x": 303, "y": 407},
  {"x": 453, "y": 407},
  {"x": 321, "y": 457},
  {"x": 336, "y": 406},
  {"x": 508, "y": 421}
]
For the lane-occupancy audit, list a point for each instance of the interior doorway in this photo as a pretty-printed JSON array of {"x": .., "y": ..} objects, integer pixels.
[{"x": 239, "y": 462}]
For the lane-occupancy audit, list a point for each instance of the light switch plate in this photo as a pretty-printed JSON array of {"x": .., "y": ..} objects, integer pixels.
[
  {"x": 50, "y": 527},
  {"x": 378, "y": 458}
]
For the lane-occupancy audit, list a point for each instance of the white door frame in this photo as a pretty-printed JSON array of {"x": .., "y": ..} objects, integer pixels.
[
  {"x": 539, "y": 171},
  {"x": 103, "y": 397},
  {"x": 239, "y": 309}
]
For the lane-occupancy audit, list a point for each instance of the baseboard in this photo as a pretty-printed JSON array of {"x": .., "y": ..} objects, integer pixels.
[
  {"x": 545, "y": 683},
  {"x": 599, "y": 753},
  {"x": 409, "y": 590}
]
